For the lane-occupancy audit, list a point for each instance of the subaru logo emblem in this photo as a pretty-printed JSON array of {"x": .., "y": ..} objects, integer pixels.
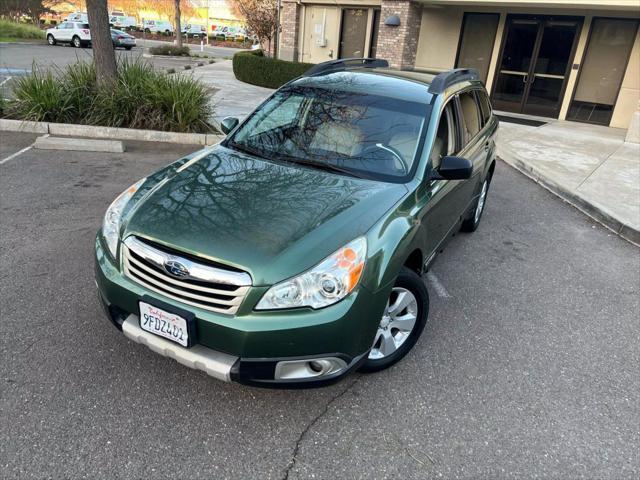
[{"x": 175, "y": 268}]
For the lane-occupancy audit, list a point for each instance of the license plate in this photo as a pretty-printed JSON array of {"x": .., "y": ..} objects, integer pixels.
[{"x": 164, "y": 324}]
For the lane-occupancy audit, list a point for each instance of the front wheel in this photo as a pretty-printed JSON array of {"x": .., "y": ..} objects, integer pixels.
[
  {"x": 402, "y": 322},
  {"x": 51, "y": 40},
  {"x": 76, "y": 42}
]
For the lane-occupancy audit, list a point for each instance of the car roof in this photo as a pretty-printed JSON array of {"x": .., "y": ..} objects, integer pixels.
[
  {"x": 383, "y": 82},
  {"x": 437, "y": 82}
]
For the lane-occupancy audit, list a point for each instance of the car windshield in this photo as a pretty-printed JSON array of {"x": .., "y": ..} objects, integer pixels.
[
  {"x": 117, "y": 32},
  {"x": 352, "y": 132}
]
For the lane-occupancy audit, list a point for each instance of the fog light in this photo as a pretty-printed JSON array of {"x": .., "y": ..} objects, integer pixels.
[{"x": 315, "y": 368}]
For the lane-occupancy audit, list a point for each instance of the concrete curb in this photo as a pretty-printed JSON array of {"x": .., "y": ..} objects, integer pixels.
[
  {"x": 78, "y": 144},
  {"x": 89, "y": 131},
  {"x": 599, "y": 214}
]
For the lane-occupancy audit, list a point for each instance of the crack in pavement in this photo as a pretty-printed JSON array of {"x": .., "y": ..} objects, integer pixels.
[{"x": 304, "y": 432}]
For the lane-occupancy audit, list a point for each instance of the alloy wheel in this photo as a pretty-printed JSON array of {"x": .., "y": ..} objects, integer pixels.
[
  {"x": 397, "y": 323},
  {"x": 481, "y": 200}
]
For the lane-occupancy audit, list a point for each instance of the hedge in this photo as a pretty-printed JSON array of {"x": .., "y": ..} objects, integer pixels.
[
  {"x": 170, "y": 50},
  {"x": 254, "y": 68}
]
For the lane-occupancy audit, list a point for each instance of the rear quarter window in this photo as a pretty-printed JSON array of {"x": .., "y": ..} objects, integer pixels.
[{"x": 485, "y": 106}]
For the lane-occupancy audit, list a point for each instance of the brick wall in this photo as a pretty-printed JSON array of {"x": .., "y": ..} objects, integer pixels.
[
  {"x": 399, "y": 44},
  {"x": 290, "y": 28}
]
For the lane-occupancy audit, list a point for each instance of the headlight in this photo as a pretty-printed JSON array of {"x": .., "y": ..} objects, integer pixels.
[
  {"x": 111, "y": 223},
  {"x": 325, "y": 284}
]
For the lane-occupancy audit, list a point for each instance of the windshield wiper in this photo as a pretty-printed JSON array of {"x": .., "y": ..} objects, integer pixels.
[
  {"x": 250, "y": 150},
  {"x": 324, "y": 166}
]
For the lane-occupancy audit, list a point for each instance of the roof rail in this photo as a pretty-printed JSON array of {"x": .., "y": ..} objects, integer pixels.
[
  {"x": 345, "y": 64},
  {"x": 446, "y": 79}
]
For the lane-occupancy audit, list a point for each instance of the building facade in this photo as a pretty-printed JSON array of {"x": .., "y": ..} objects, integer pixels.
[{"x": 575, "y": 60}]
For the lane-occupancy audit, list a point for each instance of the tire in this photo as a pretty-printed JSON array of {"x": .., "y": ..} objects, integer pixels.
[
  {"x": 128, "y": 48},
  {"x": 472, "y": 221},
  {"x": 398, "y": 341},
  {"x": 76, "y": 42},
  {"x": 51, "y": 40},
  {"x": 146, "y": 30}
]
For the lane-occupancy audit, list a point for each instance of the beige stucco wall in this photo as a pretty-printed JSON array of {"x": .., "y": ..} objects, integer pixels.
[{"x": 629, "y": 98}]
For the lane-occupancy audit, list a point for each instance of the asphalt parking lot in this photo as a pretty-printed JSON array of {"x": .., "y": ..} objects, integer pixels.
[
  {"x": 17, "y": 59},
  {"x": 528, "y": 367}
]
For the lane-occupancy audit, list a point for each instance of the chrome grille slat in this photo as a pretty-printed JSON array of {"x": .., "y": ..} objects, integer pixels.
[
  {"x": 186, "y": 293},
  {"x": 154, "y": 273},
  {"x": 144, "y": 264}
]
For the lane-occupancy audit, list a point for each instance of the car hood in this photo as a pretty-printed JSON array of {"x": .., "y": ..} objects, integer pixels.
[{"x": 270, "y": 219}]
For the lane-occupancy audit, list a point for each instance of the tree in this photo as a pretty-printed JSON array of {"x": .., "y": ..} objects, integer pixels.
[
  {"x": 103, "y": 53},
  {"x": 260, "y": 16},
  {"x": 178, "y": 29},
  {"x": 34, "y": 9}
]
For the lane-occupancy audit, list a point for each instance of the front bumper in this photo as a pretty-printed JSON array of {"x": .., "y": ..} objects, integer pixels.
[{"x": 248, "y": 347}]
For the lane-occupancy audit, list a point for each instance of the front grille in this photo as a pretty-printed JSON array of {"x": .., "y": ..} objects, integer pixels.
[{"x": 205, "y": 286}]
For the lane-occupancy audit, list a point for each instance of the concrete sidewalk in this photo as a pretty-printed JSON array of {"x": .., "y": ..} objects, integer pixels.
[
  {"x": 590, "y": 166},
  {"x": 232, "y": 98}
]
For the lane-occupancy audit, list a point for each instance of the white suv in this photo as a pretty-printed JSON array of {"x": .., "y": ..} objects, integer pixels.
[{"x": 75, "y": 33}]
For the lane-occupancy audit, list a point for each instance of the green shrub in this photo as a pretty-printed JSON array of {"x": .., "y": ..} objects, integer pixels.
[
  {"x": 140, "y": 98},
  {"x": 254, "y": 68},
  {"x": 40, "y": 97},
  {"x": 170, "y": 50},
  {"x": 10, "y": 29}
]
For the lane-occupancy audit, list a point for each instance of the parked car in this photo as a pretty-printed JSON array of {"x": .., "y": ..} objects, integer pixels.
[
  {"x": 157, "y": 26},
  {"x": 292, "y": 252},
  {"x": 122, "y": 39},
  {"x": 77, "y": 17},
  {"x": 74, "y": 33},
  {"x": 194, "y": 30},
  {"x": 122, "y": 22}
]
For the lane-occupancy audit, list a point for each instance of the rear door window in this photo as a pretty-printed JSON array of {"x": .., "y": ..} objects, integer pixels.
[{"x": 470, "y": 115}]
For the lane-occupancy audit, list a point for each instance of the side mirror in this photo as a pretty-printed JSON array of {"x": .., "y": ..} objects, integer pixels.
[
  {"x": 453, "y": 168},
  {"x": 228, "y": 124}
]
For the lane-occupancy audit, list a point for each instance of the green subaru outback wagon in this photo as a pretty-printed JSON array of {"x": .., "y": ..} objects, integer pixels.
[{"x": 291, "y": 253}]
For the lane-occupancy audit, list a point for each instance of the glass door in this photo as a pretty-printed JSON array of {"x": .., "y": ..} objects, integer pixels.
[
  {"x": 512, "y": 75},
  {"x": 535, "y": 64},
  {"x": 547, "y": 81}
]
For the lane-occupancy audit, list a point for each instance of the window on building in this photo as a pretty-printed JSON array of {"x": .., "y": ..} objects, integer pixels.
[
  {"x": 603, "y": 68},
  {"x": 476, "y": 42},
  {"x": 470, "y": 115},
  {"x": 353, "y": 32}
]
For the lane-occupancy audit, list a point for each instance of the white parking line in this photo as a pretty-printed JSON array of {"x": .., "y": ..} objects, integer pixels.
[
  {"x": 437, "y": 286},
  {"x": 20, "y": 152}
]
